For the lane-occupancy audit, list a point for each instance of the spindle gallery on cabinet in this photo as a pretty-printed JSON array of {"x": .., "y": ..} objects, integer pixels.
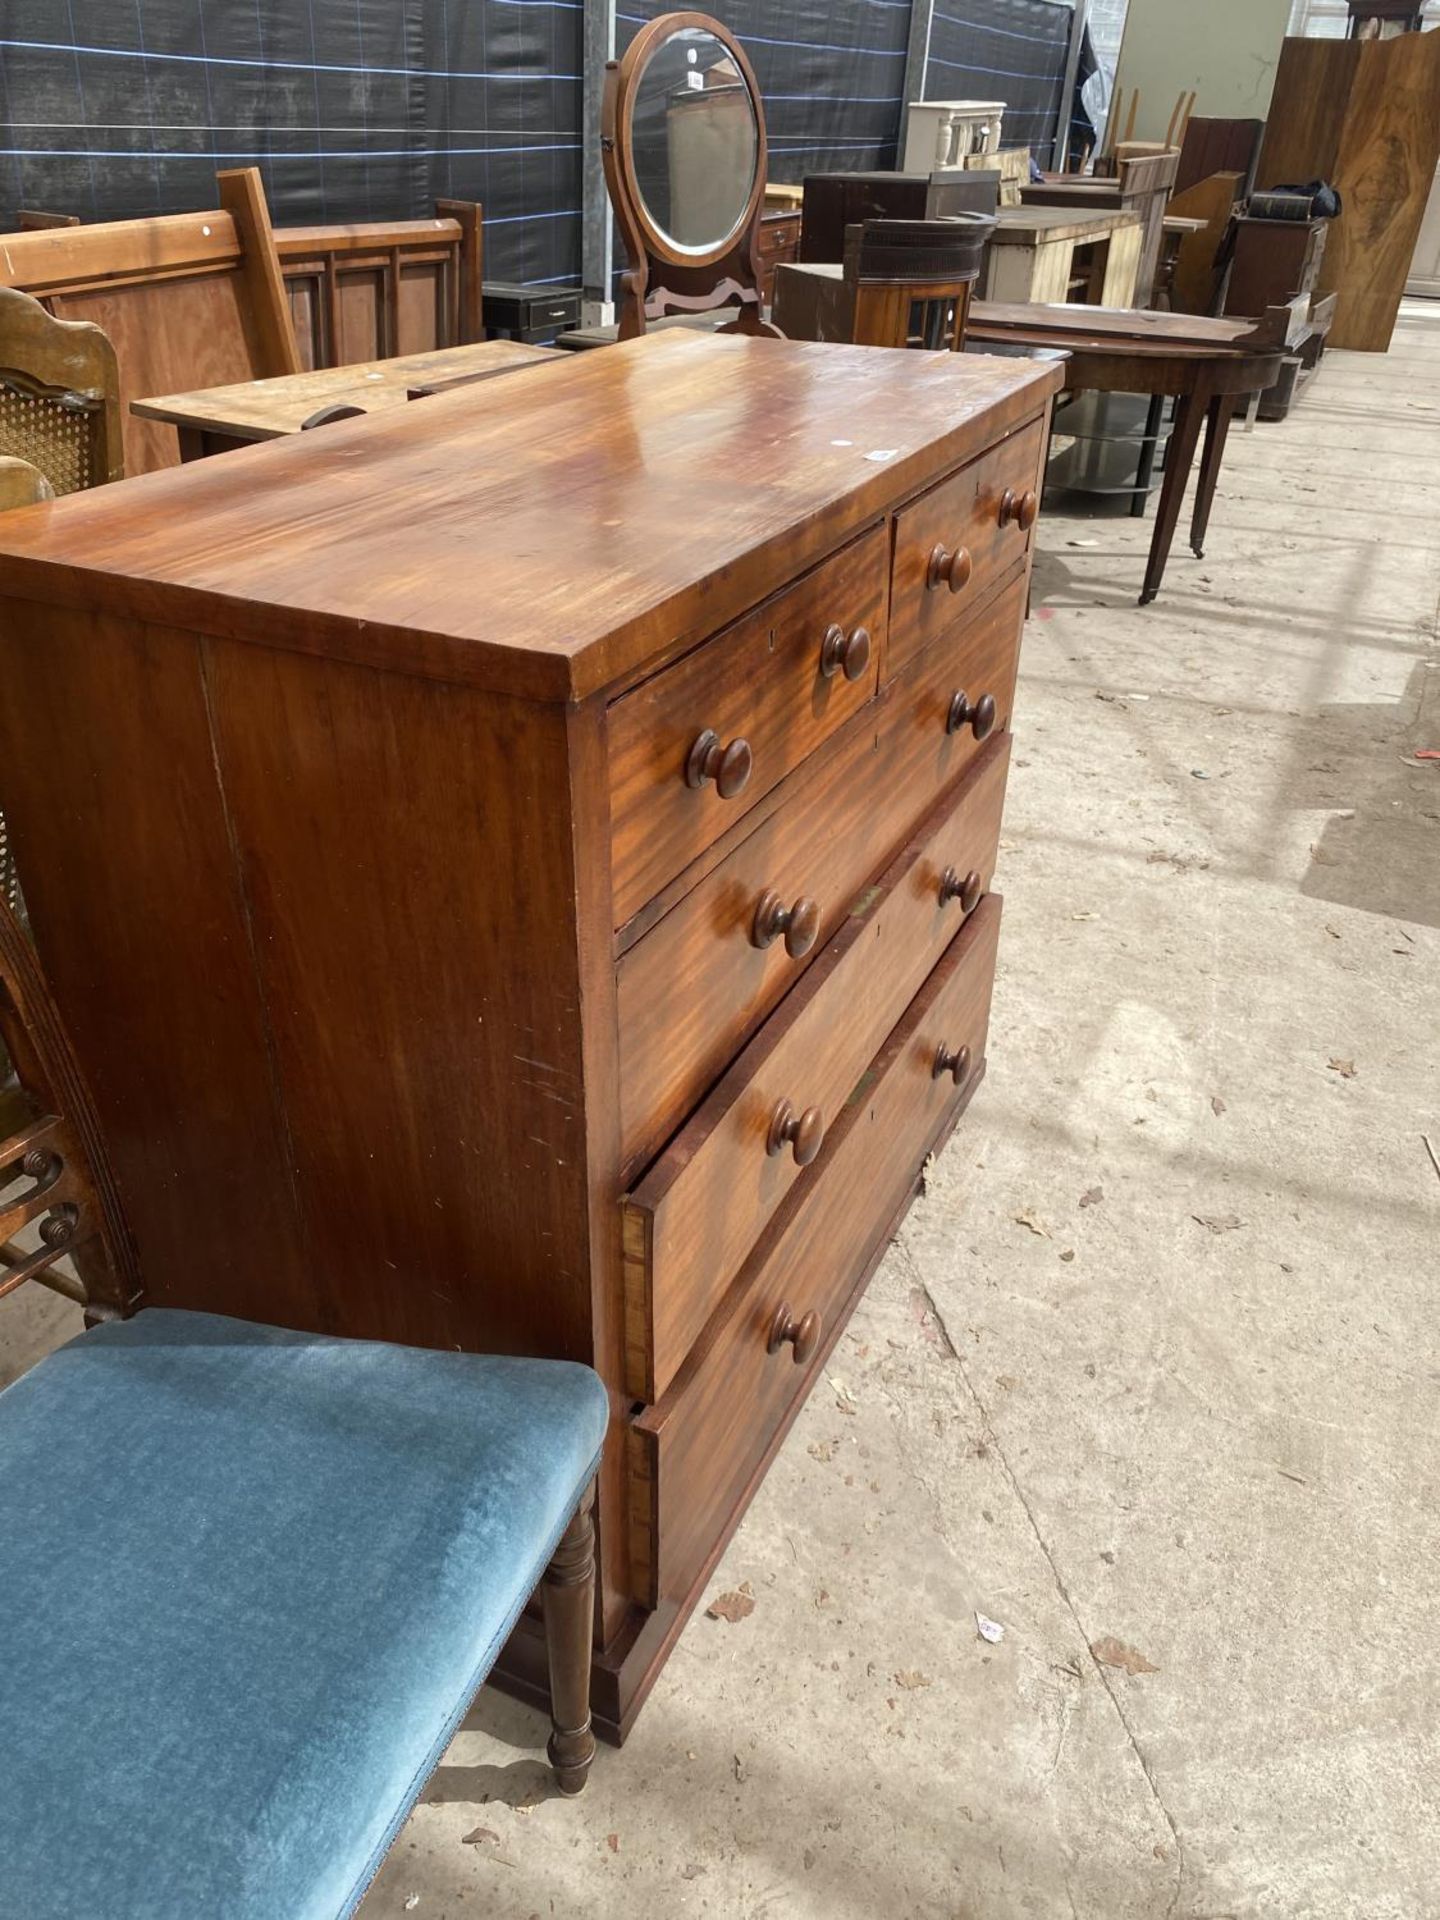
[{"x": 517, "y": 871}]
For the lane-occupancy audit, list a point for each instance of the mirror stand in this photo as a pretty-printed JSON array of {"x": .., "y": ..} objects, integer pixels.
[{"x": 683, "y": 145}]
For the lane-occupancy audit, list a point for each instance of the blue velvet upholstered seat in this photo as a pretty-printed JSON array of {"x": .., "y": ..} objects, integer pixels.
[{"x": 250, "y": 1580}]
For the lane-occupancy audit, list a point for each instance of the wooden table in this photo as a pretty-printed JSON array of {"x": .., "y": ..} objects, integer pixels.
[
  {"x": 1205, "y": 365},
  {"x": 1032, "y": 255},
  {"x": 215, "y": 419}
]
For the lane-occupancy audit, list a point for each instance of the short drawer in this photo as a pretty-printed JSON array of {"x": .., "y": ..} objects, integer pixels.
[
  {"x": 692, "y": 750},
  {"x": 696, "y": 1214},
  {"x": 694, "y": 987},
  {"x": 952, "y": 542},
  {"x": 694, "y": 1456}
]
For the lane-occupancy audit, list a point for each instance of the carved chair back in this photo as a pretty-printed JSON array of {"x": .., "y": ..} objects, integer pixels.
[{"x": 59, "y": 397}]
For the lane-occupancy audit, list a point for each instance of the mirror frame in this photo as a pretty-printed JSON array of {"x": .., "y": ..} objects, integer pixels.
[{"x": 664, "y": 277}]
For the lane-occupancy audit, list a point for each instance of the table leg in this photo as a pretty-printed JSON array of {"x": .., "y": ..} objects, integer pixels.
[
  {"x": 1221, "y": 408},
  {"x": 1179, "y": 453},
  {"x": 1154, "y": 418}
]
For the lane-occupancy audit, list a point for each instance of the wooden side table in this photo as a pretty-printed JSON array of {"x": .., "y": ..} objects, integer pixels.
[
  {"x": 1206, "y": 366},
  {"x": 1033, "y": 256}
]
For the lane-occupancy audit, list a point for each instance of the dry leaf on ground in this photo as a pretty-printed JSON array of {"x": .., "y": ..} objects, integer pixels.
[
  {"x": 910, "y": 1678},
  {"x": 1092, "y": 1196},
  {"x": 1218, "y": 1222},
  {"x": 1217, "y": 1105},
  {"x": 1111, "y": 1652},
  {"x": 1345, "y": 1068},
  {"x": 478, "y": 1835},
  {"x": 1026, "y": 1218},
  {"x": 738, "y": 1605}
]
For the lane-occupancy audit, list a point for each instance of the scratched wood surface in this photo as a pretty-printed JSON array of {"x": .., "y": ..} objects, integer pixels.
[{"x": 606, "y": 505}]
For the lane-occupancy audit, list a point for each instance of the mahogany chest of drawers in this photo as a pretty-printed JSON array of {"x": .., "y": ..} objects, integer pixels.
[{"x": 517, "y": 872}]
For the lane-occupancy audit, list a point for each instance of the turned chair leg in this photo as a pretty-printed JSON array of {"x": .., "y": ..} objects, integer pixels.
[{"x": 568, "y": 1590}]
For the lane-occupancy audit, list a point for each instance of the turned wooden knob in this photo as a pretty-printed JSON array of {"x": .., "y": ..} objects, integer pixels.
[
  {"x": 1019, "y": 507},
  {"x": 711, "y": 759},
  {"x": 799, "y": 923},
  {"x": 980, "y": 717},
  {"x": 803, "y": 1132},
  {"x": 966, "y": 891},
  {"x": 956, "y": 1064},
  {"x": 803, "y": 1336},
  {"x": 847, "y": 653},
  {"x": 948, "y": 569}
]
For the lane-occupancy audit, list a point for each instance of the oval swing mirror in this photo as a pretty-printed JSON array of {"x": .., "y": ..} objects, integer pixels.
[
  {"x": 695, "y": 141},
  {"x": 683, "y": 141}
]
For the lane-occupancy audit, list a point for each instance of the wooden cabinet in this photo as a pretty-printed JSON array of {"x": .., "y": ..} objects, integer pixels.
[
  {"x": 777, "y": 238},
  {"x": 517, "y": 871}
]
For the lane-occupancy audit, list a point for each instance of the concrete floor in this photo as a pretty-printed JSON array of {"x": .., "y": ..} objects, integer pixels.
[{"x": 1149, "y": 1377}]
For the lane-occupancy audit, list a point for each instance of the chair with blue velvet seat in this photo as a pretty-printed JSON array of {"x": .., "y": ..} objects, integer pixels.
[{"x": 253, "y": 1577}]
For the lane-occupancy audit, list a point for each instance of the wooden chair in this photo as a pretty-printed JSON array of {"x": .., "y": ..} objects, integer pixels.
[
  {"x": 59, "y": 396},
  {"x": 260, "y": 1573},
  {"x": 910, "y": 281},
  {"x": 187, "y": 300}
]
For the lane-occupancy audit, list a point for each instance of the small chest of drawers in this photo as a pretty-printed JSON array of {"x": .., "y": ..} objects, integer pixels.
[{"x": 518, "y": 872}]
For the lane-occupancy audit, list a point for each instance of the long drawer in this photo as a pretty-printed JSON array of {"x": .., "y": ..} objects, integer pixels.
[
  {"x": 695, "y": 1216},
  {"x": 694, "y": 1455},
  {"x": 952, "y": 542},
  {"x": 693, "y": 749},
  {"x": 694, "y": 987}
]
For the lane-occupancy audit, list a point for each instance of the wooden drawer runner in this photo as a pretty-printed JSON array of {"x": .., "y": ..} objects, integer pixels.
[
  {"x": 759, "y": 694},
  {"x": 695, "y": 987},
  {"x": 962, "y": 515},
  {"x": 695, "y": 1216},
  {"x": 694, "y": 1455}
]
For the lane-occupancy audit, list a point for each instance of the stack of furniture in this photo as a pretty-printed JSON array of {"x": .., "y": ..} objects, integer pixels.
[
  {"x": 1134, "y": 180},
  {"x": 1365, "y": 116},
  {"x": 836, "y": 201},
  {"x": 524, "y": 968}
]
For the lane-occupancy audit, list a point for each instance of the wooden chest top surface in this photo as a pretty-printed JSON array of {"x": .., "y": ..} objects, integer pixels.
[{"x": 547, "y": 534}]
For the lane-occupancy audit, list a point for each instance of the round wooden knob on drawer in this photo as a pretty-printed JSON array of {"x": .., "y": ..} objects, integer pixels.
[
  {"x": 966, "y": 891},
  {"x": 803, "y": 1336},
  {"x": 847, "y": 653},
  {"x": 803, "y": 1133},
  {"x": 1019, "y": 507},
  {"x": 956, "y": 1064},
  {"x": 799, "y": 923},
  {"x": 949, "y": 569},
  {"x": 979, "y": 717},
  {"x": 711, "y": 759}
]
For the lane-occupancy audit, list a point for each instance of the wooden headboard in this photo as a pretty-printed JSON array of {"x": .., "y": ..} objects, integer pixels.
[{"x": 188, "y": 300}]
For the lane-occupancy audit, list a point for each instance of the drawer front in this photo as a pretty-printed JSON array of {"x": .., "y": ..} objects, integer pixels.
[
  {"x": 694, "y": 1455},
  {"x": 696, "y": 985},
  {"x": 952, "y": 542},
  {"x": 780, "y": 239},
  {"x": 693, "y": 1219},
  {"x": 693, "y": 749}
]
